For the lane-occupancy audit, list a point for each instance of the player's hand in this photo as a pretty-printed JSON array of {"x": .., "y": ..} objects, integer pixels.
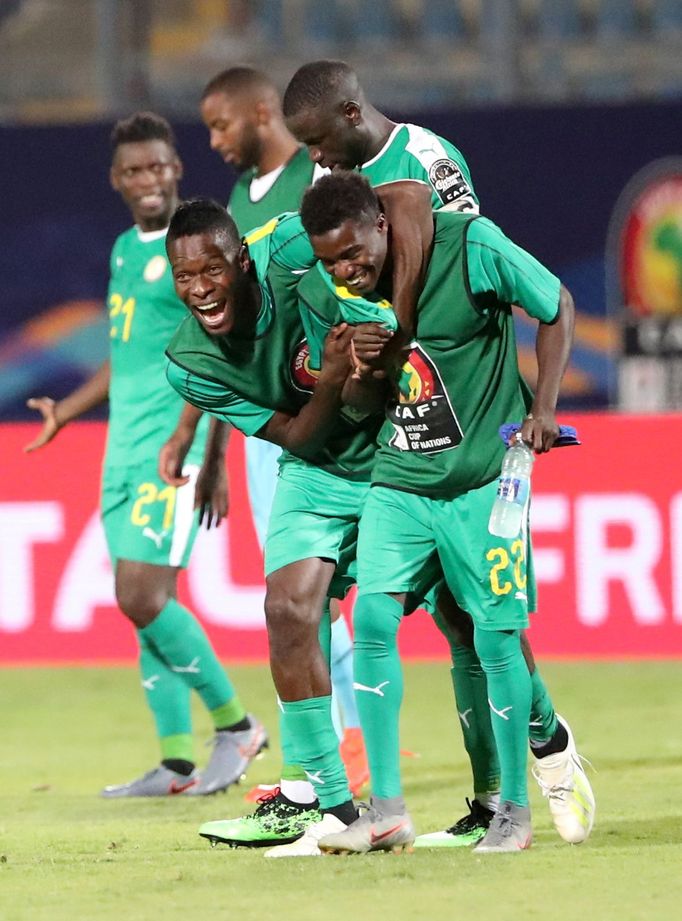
[
  {"x": 336, "y": 358},
  {"x": 367, "y": 350},
  {"x": 540, "y": 430},
  {"x": 211, "y": 495},
  {"x": 47, "y": 407},
  {"x": 172, "y": 458}
]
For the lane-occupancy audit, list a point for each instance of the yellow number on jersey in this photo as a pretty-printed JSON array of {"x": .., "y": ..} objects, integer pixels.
[{"x": 127, "y": 309}]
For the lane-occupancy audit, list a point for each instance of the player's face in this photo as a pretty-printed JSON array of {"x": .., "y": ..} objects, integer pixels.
[
  {"x": 354, "y": 253},
  {"x": 206, "y": 280},
  {"x": 332, "y": 139},
  {"x": 233, "y": 129},
  {"x": 146, "y": 174}
]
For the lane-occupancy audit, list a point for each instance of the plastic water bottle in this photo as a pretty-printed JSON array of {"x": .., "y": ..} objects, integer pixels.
[{"x": 513, "y": 488}]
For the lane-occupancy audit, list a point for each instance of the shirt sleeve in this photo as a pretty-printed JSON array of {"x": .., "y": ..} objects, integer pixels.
[
  {"x": 497, "y": 266},
  {"x": 214, "y": 398},
  {"x": 290, "y": 247}
]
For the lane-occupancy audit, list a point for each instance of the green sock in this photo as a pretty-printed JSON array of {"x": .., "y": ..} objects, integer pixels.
[
  {"x": 168, "y": 698},
  {"x": 181, "y": 642},
  {"x": 471, "y": 694},
  {"x": 379, "y": 688},
  {"x": 543, "y": 721},
  {"x": 509, "y": 691},
  {"x": 291, "y": 770},
  {"x": 316, "y": 748}
]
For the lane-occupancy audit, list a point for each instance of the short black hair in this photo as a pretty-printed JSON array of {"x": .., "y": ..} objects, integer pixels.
[
  {"x": 237, "y": 80},
  {"x": 336, "y": 198},
  {"x": 203, "y": 215},
  {"x": 313, "y": 84},
  {"x": 142, "y": 126}
]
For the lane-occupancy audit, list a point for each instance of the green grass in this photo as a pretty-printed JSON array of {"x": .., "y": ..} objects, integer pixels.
[{"x": 66, "y": 854}]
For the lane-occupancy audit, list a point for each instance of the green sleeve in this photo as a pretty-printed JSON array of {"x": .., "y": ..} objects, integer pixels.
[
  {"x": 495, "y": 265},
  {"x": 290, "y": 247},
  {"x": 217, "y": 400}
]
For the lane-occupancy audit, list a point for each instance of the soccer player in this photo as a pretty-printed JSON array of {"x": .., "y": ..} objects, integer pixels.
[
  {"x": 326, "y": 108},
  {"x": 242, "y": 357},
  {"x": 149, "y": 526},
  {"x": 434, "y": 482},
  {"x": 242, "y": 110}
]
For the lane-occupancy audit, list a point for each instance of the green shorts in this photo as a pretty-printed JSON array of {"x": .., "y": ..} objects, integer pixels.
[
  {"x": 315, "y": 514},
  {"x": 407, "y": 541},
  {"x": 145, "y": 519}
]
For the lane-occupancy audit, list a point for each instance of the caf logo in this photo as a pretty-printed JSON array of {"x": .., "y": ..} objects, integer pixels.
[
  {"x": 155, "y": 268},
  {"x": 646, "y": 238},
  {"x": 303, "y": 376}
]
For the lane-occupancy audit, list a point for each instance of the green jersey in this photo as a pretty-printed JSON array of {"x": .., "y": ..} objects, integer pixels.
[
  {"x": 144, "y": 312},
  {"x": 282, "y": 194},
  {"x": 416, "y": 153},
  {"x": 461, "y": 380},
  {"x": 244, "y": 380}
]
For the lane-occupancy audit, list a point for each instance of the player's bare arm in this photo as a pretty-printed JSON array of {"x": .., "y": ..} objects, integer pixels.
[
  {"x": 307, "y": 432},
  {"x": 56, "y": 414},
  {"x": 407, "y": 205},
  {"x": 211, "y": 494},
  {"x": 211, "y": 490},
  {"x": 552, "y": 348}
]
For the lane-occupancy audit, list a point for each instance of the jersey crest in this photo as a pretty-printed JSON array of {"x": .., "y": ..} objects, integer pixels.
[{"x": 303, "y": 376}]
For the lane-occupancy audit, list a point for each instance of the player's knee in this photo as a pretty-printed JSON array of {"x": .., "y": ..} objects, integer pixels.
[
  {"x": 141, "y": 604},
  {"x": 498, "y": 650},
  {"x": 376, "y": 619},
  {"x": 291, "y": 620}
]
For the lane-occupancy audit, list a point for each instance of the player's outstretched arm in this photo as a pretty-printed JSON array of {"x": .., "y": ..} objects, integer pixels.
[
  {"x": 56, "y": 414},
  {"x": 552, "y": 347},
  {"x": 306, "y": 433}
]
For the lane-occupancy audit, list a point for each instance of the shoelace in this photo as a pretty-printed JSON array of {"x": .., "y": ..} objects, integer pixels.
[
  {"x": 564, "y": 785},
  {"x": 468, "y": 822}
]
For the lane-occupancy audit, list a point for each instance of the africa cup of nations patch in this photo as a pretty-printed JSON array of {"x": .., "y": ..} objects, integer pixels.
[
  {"x": 448, "y": 181},
  {"x": 423, "y": 418}
]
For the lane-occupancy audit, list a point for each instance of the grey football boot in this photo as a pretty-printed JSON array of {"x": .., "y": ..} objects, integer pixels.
[
  {"x": 232, "y": 753},
  {"x": 510, "y": 831},
  {"x": 160, "y": 781}
]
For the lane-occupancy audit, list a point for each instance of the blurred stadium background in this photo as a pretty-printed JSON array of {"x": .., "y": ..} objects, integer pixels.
[{"x": 569, "y": 113}]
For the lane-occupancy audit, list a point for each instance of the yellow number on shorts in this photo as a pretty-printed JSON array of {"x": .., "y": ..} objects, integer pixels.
[
  {"x": 518, "y": 550},
  {"x": 502, "y": 557},
  {"x": 148, "y": 493},
  {"x": 118, "y": 307},
  {"x": 167, "y": 495}
]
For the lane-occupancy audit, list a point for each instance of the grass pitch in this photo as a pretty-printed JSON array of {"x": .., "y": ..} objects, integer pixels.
[{"x": 66, "y": 854}]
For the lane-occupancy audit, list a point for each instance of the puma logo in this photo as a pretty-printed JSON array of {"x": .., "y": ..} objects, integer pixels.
[
  {"x": 148, "y": 683},
  {"x": 314, "y": 777},
  {"x": 464, "y": 717},
  {"x": 191, "y": 669},
  {"x": 377, "y": 690},
  {"x": 501, "y": 713},
  {"x": 152, "y": 535}
]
